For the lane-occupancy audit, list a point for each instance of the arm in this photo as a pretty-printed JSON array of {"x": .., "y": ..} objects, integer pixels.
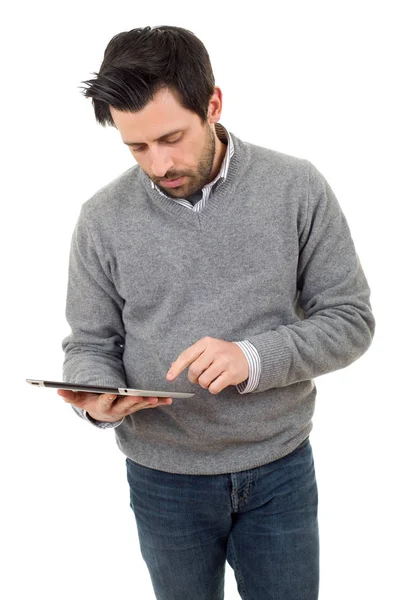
[
  {"x": 93, "y": 350},
  {"x": 333, "y": 293}
]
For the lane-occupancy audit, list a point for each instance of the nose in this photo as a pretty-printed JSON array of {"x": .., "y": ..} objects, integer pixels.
[{"x": 161, "y": 162}]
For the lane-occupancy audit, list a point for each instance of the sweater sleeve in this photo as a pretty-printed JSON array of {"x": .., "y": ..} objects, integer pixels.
[
  {"x": 337, "y": 325},
  {"x": 94, "y": 348}
]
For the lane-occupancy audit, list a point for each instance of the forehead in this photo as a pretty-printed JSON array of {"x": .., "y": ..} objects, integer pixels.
[{"x": 162, "y": 114}]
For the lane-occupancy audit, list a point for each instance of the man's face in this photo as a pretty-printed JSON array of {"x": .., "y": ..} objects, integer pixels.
[{"x": 188, "y": 150}]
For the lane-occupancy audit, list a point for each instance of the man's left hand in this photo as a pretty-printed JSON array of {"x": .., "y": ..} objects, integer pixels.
[{"x": 214, "y": 364}]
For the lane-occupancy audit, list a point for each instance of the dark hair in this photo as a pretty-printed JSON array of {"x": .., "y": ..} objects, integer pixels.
[{"x": 140, "y": 62}]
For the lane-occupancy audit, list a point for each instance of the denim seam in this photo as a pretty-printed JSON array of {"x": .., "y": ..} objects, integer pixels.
[{"x": 248, "y": 489}]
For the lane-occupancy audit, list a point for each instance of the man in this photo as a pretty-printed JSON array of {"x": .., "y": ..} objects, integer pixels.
[{"x": 236, "y": 263}]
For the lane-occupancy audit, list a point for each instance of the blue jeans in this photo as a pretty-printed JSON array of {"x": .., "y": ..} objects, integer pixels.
[{"x": 263, "y": 521}]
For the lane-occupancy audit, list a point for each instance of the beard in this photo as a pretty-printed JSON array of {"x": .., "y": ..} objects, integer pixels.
[{"x": 198, "y": 179}]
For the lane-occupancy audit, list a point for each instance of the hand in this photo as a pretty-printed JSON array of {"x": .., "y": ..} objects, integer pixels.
[
  {"x": 214, "y": 364},
  {"x": 105, "y": 407}
]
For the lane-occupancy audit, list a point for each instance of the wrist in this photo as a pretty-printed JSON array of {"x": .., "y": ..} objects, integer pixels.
[{"x": 99, "y": 419}]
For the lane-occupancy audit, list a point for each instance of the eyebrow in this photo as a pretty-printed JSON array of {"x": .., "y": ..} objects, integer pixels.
[{"x": 160, "y": 139}]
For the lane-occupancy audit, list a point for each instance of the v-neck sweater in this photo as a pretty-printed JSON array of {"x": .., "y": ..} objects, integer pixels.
[{"x": 269, "y": 259}]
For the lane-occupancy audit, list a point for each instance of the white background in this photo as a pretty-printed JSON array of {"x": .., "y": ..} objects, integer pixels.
[{"x": 315, "y": 80}]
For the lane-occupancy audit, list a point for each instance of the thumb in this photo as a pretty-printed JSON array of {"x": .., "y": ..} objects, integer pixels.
[{"x": 68, "y": 395}]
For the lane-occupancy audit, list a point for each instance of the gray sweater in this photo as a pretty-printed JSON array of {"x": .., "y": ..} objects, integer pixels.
[{"x": 269, "y": 259}]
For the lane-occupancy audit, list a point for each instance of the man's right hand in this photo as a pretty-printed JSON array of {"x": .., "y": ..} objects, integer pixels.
[{"x": 109, "y": 407}]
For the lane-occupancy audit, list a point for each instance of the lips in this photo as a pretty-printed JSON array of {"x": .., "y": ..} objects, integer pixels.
[{"x": 172, "y": 182}]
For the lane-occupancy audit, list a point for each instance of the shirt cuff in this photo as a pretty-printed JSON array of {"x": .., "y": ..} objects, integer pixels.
[
  {"x": 254, "y": 360},
  {"x": 100, "y": 424}
]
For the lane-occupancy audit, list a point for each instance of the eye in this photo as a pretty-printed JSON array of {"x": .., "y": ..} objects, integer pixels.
[{"x": 141, "y": 149}]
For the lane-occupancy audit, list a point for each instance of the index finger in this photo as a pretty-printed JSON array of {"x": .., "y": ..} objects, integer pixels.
[{"x": 185, "y": 359}]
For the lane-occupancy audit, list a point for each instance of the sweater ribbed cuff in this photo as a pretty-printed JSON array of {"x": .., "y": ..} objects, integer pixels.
[{"x": 276, "y": 357}]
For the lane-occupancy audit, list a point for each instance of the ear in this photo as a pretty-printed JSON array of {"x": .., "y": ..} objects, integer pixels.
[{"x": 215, "y": 106}]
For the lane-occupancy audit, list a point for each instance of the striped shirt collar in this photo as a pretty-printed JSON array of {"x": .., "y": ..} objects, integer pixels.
[{"x": 225, "y": 137}]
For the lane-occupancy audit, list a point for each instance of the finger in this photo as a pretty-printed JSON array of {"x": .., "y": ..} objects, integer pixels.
[
  {"x": 130, "y": 404},
  {"x": 201, "y": 367},
  {"x": 76, "y": 398},
  {"x": 210, "y": 375},
  {"x": 160, "y": 402},
  {"x": 105, "y": 402},
  {"x": 220, "y": 383},
  {"x": 126, "y": 403},
  {"x": 151, "y": 399},
  {"x": 185, "y": 359},
  {"x": 138, "y": 406},
  {"x": 68, "y": 395},
  {"x": 155, "y": 401}
]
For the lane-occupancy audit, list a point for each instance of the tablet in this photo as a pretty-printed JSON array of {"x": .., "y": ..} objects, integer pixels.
[{"x": 96, "y": 389}]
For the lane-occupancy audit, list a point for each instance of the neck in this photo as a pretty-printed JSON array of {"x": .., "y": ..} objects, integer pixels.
[{"x": 220, "y": 150}]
